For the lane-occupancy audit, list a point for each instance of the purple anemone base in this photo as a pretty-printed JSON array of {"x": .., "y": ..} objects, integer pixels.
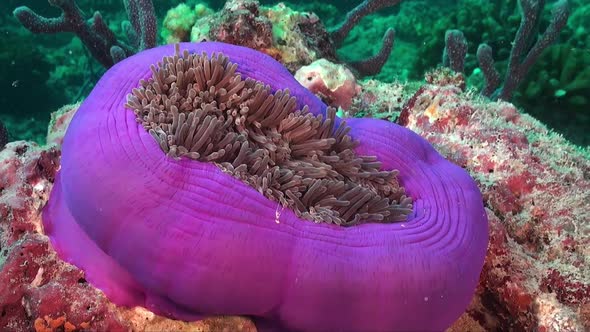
[{"x": 185, "y": 240}]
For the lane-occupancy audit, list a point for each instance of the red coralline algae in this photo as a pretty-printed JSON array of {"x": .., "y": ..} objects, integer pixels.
[
  {"x": 502, "y": 200},
  {"x": 34, "y": 283},
  {"x": 521, "y": 184},
  {"x": 536, "y": 186},
  {"x": 240, "y": 22},
  {"x": 567, "y": 291}
]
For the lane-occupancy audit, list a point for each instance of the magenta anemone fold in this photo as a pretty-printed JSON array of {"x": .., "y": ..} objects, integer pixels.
[{"x": 186, "y": 240}]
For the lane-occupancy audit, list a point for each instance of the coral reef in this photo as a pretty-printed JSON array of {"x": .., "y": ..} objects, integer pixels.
[
  {"x": 455, "y": 50},
  {"x": 536, "y": 271},
  {"x": 578, "y": 25},
  {"x": 494, "y": 23},
  {"x": 294, "y": 38},
  {"x": 373, "y": 64},
  {"x": 379, "y": 100},
  {"x": 416, "y": 23},
  {"x": 536, "y": 186},
  {"x": 180, "y": 20},
  {"x": 560, "y": 80},
  {"x": 549, "y": 77},
  {"x": 55, "y": 68},
  {"x": 298, "y": 36},
  {"x": 24, "y": 70}
]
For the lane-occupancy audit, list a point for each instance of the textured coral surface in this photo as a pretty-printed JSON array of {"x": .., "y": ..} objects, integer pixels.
[
  {"x": 295, "y": 38},
  {"x": 536, "y": 187}
]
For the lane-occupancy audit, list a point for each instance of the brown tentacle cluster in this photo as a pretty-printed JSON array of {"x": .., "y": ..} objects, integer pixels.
[{"x": 196, "y": 106}]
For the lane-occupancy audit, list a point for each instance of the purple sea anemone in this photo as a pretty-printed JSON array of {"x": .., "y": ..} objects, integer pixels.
[{"x": 194, "y": 191}]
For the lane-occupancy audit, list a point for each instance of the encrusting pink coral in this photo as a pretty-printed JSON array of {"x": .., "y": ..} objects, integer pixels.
[{"x": 333, "y": 83}]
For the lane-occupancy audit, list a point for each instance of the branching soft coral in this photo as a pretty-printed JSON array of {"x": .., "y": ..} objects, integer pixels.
[
  {"x": 95, "y": 33},
  {"x": 371, "y": 65}
]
